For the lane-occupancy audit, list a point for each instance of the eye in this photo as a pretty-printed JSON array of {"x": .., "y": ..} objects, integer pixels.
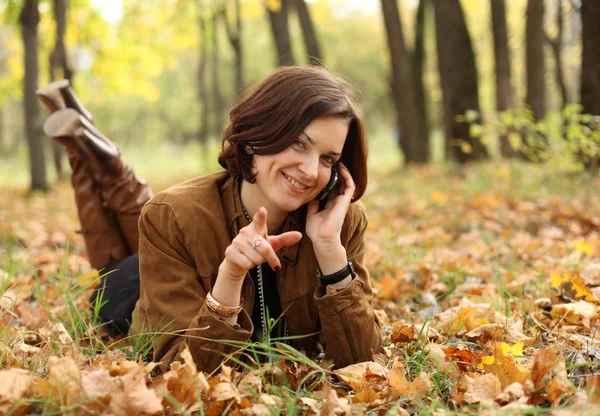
[
  {"x": 329, "y": 159},
  {"x": 300, "y": 143}
]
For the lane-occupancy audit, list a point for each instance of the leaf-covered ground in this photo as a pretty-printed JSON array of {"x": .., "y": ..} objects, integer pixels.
[{"x": 487, "y": 281}]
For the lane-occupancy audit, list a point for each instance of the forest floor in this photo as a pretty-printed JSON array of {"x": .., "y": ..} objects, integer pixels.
[{"x": 487, "y": 283}]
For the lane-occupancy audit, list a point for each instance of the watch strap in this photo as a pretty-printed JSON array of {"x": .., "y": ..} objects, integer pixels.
[{"x": 337, "y": 276}]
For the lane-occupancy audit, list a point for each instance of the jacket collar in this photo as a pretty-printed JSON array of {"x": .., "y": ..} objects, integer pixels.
[{"x": 236, "y": 220}]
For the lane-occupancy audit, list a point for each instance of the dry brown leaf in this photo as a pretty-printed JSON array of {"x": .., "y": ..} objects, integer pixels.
[
  {"x": 134, "y": 397},
  {"x": 549, "y": 377},
  {"x": 403, "y": 333},
  {"x": 578, "y": 313},
  {"x": 481, "y": 389},
  {"x": 592, "y": 386},
  {"x": 64, "y": 382},
  {"x": 417, "y": 388},
  {"x": 16, "y": 385},
  {"x": 511, "y": 393},
  {"x": 367, "y": 396},
  {"x": 361, "y": 376},
  {"x": 505, "y": 368},
  {"x": 98, "y": 383},
  {"x": 225, "y": 391},
  {"x": 508, "y": 332},
  {"x": 333, "y": 405},
  {"x": 183, "y": 382}
]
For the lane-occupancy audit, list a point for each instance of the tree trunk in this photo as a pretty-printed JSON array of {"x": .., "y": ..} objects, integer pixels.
[
  {"x": 504, "y": 89},
  {"x": 308, "y": 30},
  {"x": 3, "y": 145},
  {"x": 590, "y": 57},
  {"x": 58, "y": 58},
  {"x": 401, "y": 82},
  {"x": 556, "y": 45},
  {"x": 281, "y": 34},
  {"x": 536, "y": 68},
  {"x": 218, "y": 106},
  {"x": 418, "y": 58},
  {"x": 30, "y": 18},
  {"x": 235, "y": 39},
  {"x": 458, "y": 75},
  {"x": 590, "y": 67},
  {"x": 202, "y": 89}
]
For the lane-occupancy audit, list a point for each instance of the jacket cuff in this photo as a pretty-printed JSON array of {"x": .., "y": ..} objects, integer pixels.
[
  {"x": 333, "y": 304},
  {"x": 242, "y": 329}
]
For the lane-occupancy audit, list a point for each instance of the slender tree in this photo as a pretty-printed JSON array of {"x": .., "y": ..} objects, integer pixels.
[
  {"x": 590, "y": 68},
  {"x": 202, "y": 75},
  {"x": 536, "y": 68},
  {"x": 311, "y": 41},
  {"x": 590, "y": 57},
  {"x": 30, "y": 19},
  {"x": 58, "y": 59},
  {"x": 418, "y": 61},
  {"x": 401, "y": 81},
  {"x": 504, "y": 88},
  {"x": 458, "y": 75},
  {"x": 278, "y": 19},
  {"x": 235, "y": 39},
  {"x": 219, "y": 104},
  {"x": 556, "y": 44}
]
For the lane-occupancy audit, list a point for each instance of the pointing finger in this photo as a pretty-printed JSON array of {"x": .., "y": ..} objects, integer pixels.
[
  {"x": 283, "y": 240},
  {"x": 260, "y": 221}
]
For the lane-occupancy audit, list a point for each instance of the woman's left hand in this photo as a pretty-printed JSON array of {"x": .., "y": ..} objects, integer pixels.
[{"x": 324, "y": 227}]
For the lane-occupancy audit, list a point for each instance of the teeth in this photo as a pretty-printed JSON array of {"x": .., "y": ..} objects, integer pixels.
[{"x": 294, "y": 183}]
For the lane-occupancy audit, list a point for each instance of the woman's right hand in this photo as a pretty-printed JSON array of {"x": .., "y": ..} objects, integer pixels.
[{"x": 254, "y": 246}]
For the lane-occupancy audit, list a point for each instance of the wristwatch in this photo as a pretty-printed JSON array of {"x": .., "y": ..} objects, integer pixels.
[{"x": 337, "y": 276}]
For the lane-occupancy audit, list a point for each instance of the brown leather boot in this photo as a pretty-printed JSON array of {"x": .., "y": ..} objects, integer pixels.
[
  {"x": 58, "y": 95},
  {"x": 104, "y": 241},
  {"x": 51, "y": 96},
  {"x": 124, "y": 193}
]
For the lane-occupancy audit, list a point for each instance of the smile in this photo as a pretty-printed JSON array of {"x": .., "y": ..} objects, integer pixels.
[{"x": 294, "y": 183}]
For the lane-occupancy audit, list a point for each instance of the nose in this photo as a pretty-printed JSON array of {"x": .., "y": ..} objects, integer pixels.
[{"x": 310, "y": 168}]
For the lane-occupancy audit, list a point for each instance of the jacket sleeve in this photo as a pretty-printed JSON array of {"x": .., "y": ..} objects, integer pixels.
[
  {"x": 349, "y": 328},
  {"x": 172, "y": 296}
]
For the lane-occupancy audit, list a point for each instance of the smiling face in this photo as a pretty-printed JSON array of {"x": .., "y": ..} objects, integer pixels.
[{"x": 287, "y": 180}]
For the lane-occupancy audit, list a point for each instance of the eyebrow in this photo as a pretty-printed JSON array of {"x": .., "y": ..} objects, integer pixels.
[{"x": 313, "y": 143}]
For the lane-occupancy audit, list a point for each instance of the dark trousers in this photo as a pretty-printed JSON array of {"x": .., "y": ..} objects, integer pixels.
[{"x": 118, "y": 292}]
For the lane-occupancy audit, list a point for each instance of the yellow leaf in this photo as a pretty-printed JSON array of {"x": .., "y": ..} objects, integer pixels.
[
  {"x": 581, "y": 290},
  {"x": 489, "y": 360},
  {"x": 516, "y": 349},
  {"x": 438, "y": 197},
  {"x": 584, "y": 248},
  {"x": 466, "y": 147},
  {"x": 557, "y": 279}
]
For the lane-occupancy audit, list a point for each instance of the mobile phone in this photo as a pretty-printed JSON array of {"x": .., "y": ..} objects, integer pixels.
[{"x": 333, "y": 180}]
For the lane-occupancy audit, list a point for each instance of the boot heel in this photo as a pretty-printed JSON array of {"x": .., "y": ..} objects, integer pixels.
[
  {"x": 72, "y": 101},
  {"x": 63, "y": 123},
  {"x": 51, "y": 96}
]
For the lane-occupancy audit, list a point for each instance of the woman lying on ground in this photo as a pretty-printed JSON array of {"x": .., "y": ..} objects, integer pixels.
[{"x": 274, "y": 235}]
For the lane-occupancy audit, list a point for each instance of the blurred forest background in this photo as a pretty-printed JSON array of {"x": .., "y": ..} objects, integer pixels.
[{"x": 438, "y": 80}]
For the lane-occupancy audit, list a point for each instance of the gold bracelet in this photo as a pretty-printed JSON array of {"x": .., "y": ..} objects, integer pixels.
[{"x": 222, "y": 310}]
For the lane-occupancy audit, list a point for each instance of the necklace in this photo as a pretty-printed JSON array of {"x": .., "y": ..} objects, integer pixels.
[
  {"x": 263, "y": 315},
  {"x": 261, "y": 291}
]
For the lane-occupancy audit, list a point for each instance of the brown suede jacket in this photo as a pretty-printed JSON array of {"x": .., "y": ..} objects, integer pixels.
[{"x": 184, "y": 232}]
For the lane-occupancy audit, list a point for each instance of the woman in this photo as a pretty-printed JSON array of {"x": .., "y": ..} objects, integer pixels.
[{"x": 221, "y": 254}]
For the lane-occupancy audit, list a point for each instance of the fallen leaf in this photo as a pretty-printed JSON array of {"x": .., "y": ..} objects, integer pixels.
[
  {"x": 481, "y": 389},
  {"x": 578, "y": 313},
  {"x": 355, "y": 375},
  {"x": 16, "y": 385},
  {"x": 134, "y": 397}
]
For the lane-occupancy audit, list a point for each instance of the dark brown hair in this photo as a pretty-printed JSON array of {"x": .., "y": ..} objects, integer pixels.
[{"x": 276, "y": 111}]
